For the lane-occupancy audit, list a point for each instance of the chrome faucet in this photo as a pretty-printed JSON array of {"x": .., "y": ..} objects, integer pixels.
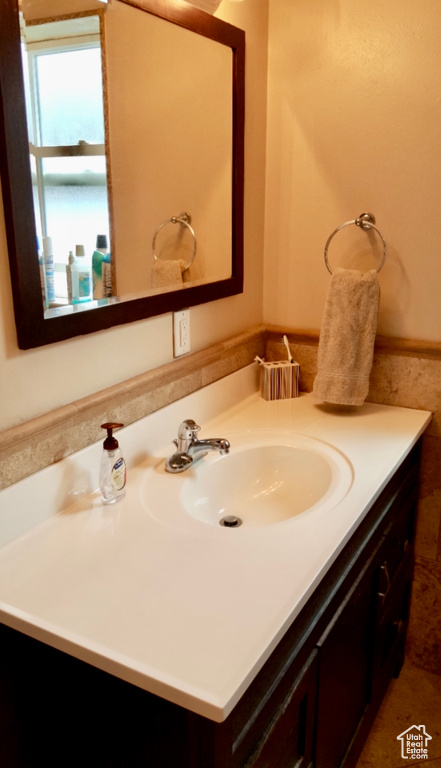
[{"x": 191, "y": 449}]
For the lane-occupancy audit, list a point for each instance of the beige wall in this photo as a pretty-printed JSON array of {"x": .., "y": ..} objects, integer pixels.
[
  {"x": 186, "y": 116},
  {"x": 354, "y": 119},
  {"x": 34, "y": 382},
  {"x": 354, "y": 122}
]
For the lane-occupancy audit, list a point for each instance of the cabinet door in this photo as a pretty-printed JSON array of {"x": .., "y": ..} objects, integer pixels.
[
  {"x": 391, "y": 630},
  {"x": 393, "y": 597},
  {"x": 345, "y": 665},
  {"x": 288, "y": 742}
]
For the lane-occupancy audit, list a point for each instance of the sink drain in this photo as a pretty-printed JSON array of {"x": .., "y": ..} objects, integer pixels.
[{"x": 230, "y": 521}]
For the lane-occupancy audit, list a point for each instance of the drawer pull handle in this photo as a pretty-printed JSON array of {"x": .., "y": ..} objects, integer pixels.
[{"x": 384, "y": 570}]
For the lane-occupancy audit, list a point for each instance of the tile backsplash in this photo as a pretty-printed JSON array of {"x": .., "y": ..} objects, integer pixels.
[{"x": 38, "y": 443}]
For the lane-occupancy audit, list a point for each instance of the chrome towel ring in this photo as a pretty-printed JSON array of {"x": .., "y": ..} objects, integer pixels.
[
  {"x": 365, "y": 221},
  {"x": 184, "y": 219}
]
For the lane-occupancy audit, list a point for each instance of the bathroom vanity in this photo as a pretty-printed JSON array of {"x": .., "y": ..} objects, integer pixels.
[{"x": 135, "y": 637}]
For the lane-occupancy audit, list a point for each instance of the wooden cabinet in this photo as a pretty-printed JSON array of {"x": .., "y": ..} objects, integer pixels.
[
  {"x": 288, "y": 741},
  {"x": 363, "y": 646},
  {"x": 395, "y": 573},
  {"x": 345, "y": 651},
  {"x": 311, "y": 705}
]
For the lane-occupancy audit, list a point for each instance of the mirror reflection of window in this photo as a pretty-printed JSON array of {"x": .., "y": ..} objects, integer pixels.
[{"x": 67, "y": 141}]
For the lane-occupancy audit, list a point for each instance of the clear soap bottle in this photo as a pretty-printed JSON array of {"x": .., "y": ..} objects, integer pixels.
[{"x": 113, "y": 467}]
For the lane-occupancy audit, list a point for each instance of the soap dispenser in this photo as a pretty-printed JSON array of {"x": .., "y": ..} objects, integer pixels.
[{"x": 113, "y": 467}]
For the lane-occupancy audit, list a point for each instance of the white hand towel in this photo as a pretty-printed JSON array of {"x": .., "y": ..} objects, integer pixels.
[{"x": 347, "y": 336}]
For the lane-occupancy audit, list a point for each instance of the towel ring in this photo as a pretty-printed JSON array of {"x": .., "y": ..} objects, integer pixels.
[
  {"x": 184, "y": 220},
  {"x": 365, "y": 221}
]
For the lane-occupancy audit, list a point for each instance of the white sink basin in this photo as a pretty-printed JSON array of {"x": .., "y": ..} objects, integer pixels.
[{"x": 267, "y": 478}]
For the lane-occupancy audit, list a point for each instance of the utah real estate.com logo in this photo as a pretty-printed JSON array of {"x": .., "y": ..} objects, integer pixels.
[{"x": 414, "y": 743}]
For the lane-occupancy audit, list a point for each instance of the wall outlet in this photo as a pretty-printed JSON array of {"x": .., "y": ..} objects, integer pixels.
[{"x": 181, "y": 332}]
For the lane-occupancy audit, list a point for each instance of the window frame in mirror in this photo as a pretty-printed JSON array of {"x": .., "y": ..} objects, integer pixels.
[{"x": 33, "y": 330}]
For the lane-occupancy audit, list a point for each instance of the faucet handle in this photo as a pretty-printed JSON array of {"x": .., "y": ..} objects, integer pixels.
[
  {"x": 188, "y": 429},
  {"x": 186, "y": 434}
]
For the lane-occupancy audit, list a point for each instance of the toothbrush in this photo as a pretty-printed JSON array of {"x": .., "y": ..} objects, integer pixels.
[{"x": 285, "y": 341}]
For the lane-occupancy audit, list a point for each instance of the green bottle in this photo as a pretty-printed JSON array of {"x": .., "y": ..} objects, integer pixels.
[{"x": 98, "y": 257}]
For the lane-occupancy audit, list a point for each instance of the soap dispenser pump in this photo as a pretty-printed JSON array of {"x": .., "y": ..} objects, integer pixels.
[{"x": 113, "y": 467}]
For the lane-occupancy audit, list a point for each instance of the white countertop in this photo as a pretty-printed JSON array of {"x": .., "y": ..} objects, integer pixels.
[{"x": 189, "y": 613}]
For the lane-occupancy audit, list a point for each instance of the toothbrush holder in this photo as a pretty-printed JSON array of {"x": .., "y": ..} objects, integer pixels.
[{"x": 279, "y": 380}]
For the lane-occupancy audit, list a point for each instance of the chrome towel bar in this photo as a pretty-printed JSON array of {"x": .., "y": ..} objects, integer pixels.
[
  {"x": 365, "y": 221},
  {"x": 184, "y": 219}
]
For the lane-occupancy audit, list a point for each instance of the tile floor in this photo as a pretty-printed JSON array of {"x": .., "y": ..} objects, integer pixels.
[{"x": 413, "y": 699}]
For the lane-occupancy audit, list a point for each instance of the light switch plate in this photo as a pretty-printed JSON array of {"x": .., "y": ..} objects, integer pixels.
[{"x": 181, "y": 332}]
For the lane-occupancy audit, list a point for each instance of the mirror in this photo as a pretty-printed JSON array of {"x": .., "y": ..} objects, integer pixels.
[{"x": 174, "y": 183}]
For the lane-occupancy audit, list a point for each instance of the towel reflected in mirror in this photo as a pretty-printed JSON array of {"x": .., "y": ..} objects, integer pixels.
[{"x": 169, "y": 272}]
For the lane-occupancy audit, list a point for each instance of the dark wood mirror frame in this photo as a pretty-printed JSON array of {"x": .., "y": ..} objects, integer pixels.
[{"x": 32, "y": 329}]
